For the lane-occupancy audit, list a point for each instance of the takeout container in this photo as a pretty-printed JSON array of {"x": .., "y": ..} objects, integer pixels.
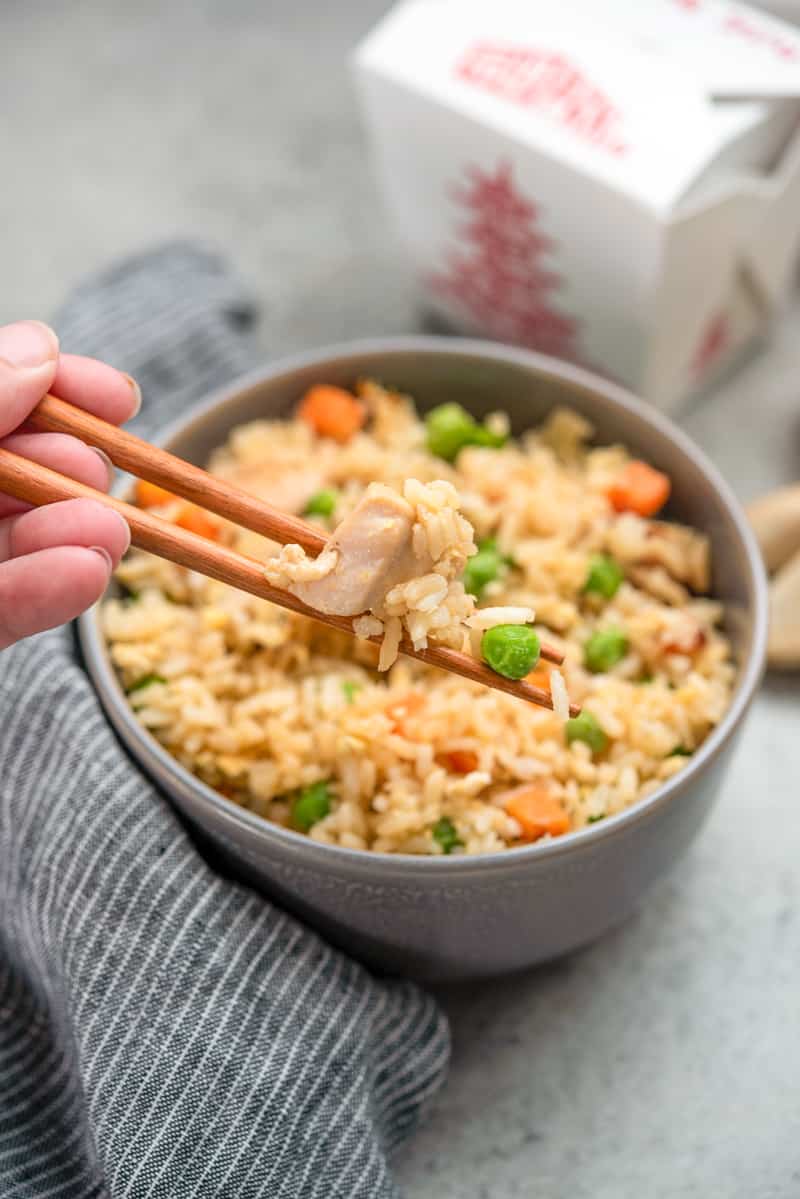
[
  {"x": 617, "y": 185},
  {"x": 458, "y": 916}
]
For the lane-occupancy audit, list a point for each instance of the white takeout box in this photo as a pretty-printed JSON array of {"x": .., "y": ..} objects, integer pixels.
[{"x": 617, "y": 184}]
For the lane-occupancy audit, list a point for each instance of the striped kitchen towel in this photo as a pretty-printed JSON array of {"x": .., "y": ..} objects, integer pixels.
[{"x": 163, "y": 1030}]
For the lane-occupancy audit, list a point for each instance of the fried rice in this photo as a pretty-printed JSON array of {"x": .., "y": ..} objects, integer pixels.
[{"x": 265, "y": 705}]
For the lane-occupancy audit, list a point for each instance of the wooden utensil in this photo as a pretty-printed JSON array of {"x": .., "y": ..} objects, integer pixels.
[{"x": 35, "y": 484}]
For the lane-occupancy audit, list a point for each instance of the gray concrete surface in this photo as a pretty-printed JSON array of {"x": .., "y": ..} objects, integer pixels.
[{"x": 665, "y": 1061}]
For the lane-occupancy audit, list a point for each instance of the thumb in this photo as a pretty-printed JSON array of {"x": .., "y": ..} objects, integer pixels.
[{"x": 28, "y": 358}]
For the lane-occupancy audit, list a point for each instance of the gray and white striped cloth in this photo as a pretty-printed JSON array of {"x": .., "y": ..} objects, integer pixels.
[{"x": 163, "y": 1030}]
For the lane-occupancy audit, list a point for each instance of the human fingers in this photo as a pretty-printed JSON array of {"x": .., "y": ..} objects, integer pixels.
[
  {"x": 97, "y": 387},
  {"x": 70, "y": 522},
  {"x": 28, "y": 356},
  {"x": 49, "y": 588},
  {"x": 61, "y": 453}
]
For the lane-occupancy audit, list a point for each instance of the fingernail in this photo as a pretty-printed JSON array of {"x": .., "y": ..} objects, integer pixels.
[
  {"x": 107, "y": 463},
  {"x": 104, "y": 554},
  {"x": 28, "y": 344},
  {"x": 127, "y": 530},
  {"x": 137, "y": 396}
]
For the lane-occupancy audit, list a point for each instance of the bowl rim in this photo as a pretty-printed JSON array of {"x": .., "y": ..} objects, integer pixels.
[{"x": 120, "y": 713}]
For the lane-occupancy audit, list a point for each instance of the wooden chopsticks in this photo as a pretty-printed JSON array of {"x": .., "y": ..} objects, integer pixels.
[
  {"x": 36, "y": 484},
  {"x": 147, "y": 461}
]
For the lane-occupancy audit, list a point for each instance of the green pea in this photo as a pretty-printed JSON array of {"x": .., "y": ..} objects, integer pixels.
[
  {"x": 594, "y": 819},
  {"x": 680, "y": 751},
  {"x": 444, "y": 831},
  {"x": 146, "y": 680},
  {"x": 482, "y": 435},
  {"x": 586, "y": 727},
  {"x": 490, "y": 544},
  {"x": 604, "y": 649},
  {"x": 488, "y": 564},
  {"x": 481, "y": 569},
  {"x": 322, "y": 503},
  {"x": 310, "y": 805},
  {"x": 450, "y": 427},
  {"x": 604, "y": 577},
  {"x": 511, "y": 649},
  {"x": 350, "y": 689}
]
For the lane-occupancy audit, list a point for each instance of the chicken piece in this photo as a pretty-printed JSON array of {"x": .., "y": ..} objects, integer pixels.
[
  {"x": 374, "y": 553},
  {"x": 686, "y": 639},
  {"x": 656, "y": 582},
  {"x": 289, "y": 490},
  {"x": 683, "y": 553}
]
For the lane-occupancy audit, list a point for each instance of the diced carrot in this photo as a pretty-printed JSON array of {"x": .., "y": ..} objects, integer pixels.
[
  {"x": 640, "y": 488},
  {"x": 536, "y": 812},
  {"x": 197, "y": 520},
  {"x": 692, "y": 643},
  {"x": 190, "y": 516},
  {"x": 149, "y": 495},
  {"x": 400, "y": 709},
  {"x": 540, "y": 677},
  {"x": 405, "y": 706},
  {"x": 332, "y": 412},
  {"x": 461, "y": 761}
]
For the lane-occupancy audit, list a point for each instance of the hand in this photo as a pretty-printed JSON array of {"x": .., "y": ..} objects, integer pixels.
[{"x": 55, "y": 561}]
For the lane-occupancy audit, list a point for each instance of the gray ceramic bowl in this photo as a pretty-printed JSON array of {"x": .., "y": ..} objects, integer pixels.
[{"x": 455, "y": 917}]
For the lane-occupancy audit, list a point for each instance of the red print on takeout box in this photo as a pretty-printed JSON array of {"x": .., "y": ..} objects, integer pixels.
[
  {"x": 546, "y": 80},
  {"x": 615, "y": 184},
  {"x": 496, "y": 275}
]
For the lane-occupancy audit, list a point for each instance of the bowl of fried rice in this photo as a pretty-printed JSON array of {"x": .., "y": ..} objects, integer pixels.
[{"x": 429, "y": 825}]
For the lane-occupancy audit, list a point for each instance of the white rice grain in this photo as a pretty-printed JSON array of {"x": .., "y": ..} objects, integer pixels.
[
  {"x": 391, "y": 641},
  {"x": 558, "y": 691},
  {"x": 292, "y": 565},
  {"x": 367, "y": 626},
  {"x": 488, "y": 618}
]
